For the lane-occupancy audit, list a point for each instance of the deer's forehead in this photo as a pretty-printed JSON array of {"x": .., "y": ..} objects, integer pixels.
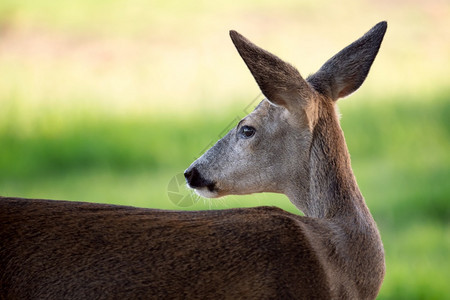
[
  {"x": 268, "y": 114},
  {"x": 266, "y": 111}
]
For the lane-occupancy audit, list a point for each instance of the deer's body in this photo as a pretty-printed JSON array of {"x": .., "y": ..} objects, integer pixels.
[
  {"x": 58, "y": 249},
  {"x": 292, "y": 143}
]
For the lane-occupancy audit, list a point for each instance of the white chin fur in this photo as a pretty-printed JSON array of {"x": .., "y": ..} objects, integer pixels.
[{"x": 204, "y": 192}]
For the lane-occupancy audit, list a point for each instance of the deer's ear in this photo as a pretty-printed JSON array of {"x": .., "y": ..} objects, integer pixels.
[
  {"x": 280, "y": 82},
  {"x": 344, "y": 73}
]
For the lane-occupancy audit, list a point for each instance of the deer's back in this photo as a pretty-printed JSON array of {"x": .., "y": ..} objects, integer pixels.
[{"x": 59, "y": 249}]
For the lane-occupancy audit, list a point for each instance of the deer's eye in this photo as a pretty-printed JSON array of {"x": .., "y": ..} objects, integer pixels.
[{"x": 246, "y": 132}]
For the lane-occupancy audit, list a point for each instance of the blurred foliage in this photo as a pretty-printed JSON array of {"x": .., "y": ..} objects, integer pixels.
[{"x": 107, "y": 101}]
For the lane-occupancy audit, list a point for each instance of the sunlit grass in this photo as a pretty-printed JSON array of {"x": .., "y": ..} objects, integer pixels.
[{"x": 417, "y": 262}]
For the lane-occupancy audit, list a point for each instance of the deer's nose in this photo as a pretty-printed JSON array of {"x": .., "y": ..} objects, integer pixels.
[
  {"x": 192, "y": 175},
  {"x": 195, "y": 179}
]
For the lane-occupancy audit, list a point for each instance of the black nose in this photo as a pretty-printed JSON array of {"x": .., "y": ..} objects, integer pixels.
[
  {"x": 196, "y": 180},
  {"x": 191, "y": 176}
]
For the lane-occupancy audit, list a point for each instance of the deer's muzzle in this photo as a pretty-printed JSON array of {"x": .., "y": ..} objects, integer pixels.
[{"x": 196, "y": 181}]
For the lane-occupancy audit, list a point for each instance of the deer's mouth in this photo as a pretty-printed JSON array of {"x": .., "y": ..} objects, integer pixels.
[{"x": 207, "y": 193}]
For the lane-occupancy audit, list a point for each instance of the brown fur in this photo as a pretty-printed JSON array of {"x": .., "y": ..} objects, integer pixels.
[{"x": 70, "y": 250}]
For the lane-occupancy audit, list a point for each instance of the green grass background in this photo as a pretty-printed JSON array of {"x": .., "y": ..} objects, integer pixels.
[{"x": 108, "y": 101}]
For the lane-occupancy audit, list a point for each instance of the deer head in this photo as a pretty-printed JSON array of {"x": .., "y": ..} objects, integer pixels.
[{"x": 278, "y": 147}]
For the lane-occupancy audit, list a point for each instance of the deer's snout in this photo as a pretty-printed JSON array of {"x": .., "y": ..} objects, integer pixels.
[{"x": 195, "y": 179}]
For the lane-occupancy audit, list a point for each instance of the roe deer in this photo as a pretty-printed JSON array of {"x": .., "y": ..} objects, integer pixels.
[{"x": 291, "y": 143}]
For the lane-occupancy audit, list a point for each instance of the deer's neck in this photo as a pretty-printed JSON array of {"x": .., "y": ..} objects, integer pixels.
[
  {"x": 334, "y": 197},
  {"x": 332, "y": 191}
]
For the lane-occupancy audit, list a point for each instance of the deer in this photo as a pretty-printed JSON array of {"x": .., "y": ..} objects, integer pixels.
[{"x": 292, "y": 143}]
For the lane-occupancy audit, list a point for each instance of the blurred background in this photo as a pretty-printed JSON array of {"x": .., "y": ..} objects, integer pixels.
[{"x": 109, "y": 101}]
